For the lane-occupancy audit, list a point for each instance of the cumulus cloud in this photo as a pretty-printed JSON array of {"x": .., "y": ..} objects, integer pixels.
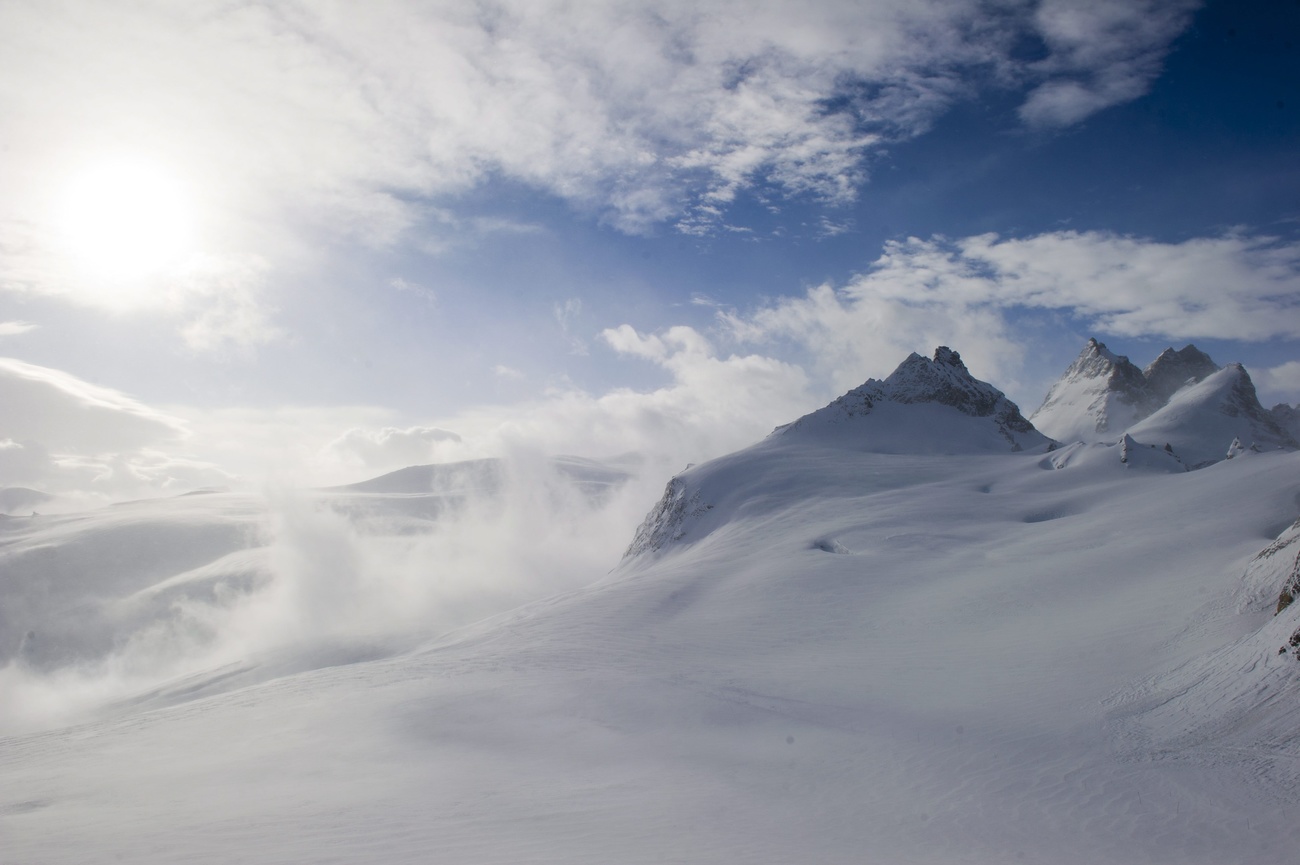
[
  {"x": 1231, "y": 287},
  {"x": 924, "y": 292},
  {"x": 1279, "y": 382}
]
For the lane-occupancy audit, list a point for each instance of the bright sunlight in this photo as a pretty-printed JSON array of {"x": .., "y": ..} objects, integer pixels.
[{"x": 124, "y": 221}]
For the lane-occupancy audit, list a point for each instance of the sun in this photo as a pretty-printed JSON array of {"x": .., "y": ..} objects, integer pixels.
[{"x": 123, "y": 221}]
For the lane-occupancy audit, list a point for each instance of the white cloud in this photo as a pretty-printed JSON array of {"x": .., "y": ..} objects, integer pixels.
[
  {"x": 1279, "y": 382},
  {"x": 507, "y": 372},
  {"x": 62, "y": 411},
  {"x": 13, "y": 328},
  {"x": 391, "y": 447},
  {"x": 90, "y": 444},
  {"x": 1103, "y": 53},
  {"x": 963, "y": 293},
  {"x": 224, "y": 305},
  {"x": 347, "y": 119}
]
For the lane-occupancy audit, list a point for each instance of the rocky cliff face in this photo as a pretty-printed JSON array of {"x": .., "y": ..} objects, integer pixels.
[
  {"x": 667, "y": 520},
  {"x": 1173, "y": 370}
]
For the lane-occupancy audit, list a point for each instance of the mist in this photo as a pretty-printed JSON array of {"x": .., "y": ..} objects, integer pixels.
[{"x": 150, "y": 603}]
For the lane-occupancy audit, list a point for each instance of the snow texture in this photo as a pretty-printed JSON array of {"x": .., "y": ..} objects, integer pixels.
[
  {"x": 1099, "y": 396},
  {"x": 823, "y": 648},
  {"x": 947, "y": 411},
  {"x": 1202, "y": 420}
]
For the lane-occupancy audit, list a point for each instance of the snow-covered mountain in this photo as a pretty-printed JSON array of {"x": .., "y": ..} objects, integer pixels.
[
  {"x": 486, "y": 477},
  {"x": 1288, "y": 418},
  {"x": 883, "y": 633},
  {"x": 1099, "y": 396},
  {"x": 22, "y": 500},
  {"x": 1203, "y": 419},
  {"x": 1172, "y": 370},
  {"x": 924, "y": 406},
  {"x": 1182, "y": 402}
]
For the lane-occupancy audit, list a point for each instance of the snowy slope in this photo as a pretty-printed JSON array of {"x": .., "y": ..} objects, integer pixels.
[
  {"x": 1201, "y": 421},
  {"x": 1099, "y": 396},
  {"x": 834, "y": 655},
  {"x": 162, "y": 600},
  {"x": 924, "y": 406}
]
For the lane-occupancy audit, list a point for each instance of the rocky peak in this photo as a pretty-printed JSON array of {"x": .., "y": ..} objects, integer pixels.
[
  {"x": 1243, "y": 401},
  {"x": 1099, "y": 392},
  {"x": 943, "y": 380},
  {"x": 1173, "y": 369},
  {"x": 1202, "y": 419},
  {"x": 1288, "y": 418},
  {"x": 1121, "y": 375}
]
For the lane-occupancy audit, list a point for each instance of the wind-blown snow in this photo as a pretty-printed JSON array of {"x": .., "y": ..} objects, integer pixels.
[{"x": 829, "y": 654}]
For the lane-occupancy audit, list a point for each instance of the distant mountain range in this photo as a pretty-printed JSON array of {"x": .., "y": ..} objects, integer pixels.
[{"x": 1182, "y": 399}]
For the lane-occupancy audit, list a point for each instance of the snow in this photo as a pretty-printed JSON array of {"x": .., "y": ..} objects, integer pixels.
[
  {"x": 1099, "y": 396},
  {"x": 924, "y": 406},
  {"x": 833, "y": 651},
  {"x": 1201, "y": 421}
]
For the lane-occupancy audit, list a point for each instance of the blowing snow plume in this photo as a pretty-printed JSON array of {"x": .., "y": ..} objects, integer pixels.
[{"x": 154, "y": 602}]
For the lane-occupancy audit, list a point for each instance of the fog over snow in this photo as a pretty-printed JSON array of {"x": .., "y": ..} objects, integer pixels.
[{"x": 644, "y": 431}]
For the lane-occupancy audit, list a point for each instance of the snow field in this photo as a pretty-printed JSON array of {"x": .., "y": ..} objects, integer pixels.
[{"x": 973, "y": 680}]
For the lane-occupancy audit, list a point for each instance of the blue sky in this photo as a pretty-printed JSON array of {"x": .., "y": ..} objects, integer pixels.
[{"x": 426, "y": 231}]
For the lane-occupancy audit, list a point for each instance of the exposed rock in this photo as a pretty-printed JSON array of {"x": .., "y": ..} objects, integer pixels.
[
  {"x": 667, "y": 520},
  {"x": 1099, "y": 394},
  {"x": 945, "y": 381},
  {"x": 1288, "y": 418},
  {"x": 1202, "y": 420},
  {"x": 1173, "y": 370}
]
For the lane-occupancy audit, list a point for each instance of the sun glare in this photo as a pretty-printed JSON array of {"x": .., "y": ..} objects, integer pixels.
[{"x": 125, "y": 221}]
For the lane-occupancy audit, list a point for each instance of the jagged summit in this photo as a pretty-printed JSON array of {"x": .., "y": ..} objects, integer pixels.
[
  {"x": 923, "y": 406},
  {"x": 1288, "y": 418},
  {"x": 1202, "y": 420},
  {"x": 1173, "y": 370},
  {"x": 1100, "y": 394}
]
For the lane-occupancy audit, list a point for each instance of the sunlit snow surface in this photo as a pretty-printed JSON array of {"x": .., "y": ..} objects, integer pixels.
[{"x": 841, "y": 657}]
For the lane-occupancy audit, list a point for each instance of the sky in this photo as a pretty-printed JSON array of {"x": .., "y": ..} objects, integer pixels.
[{"x": 245, "y": 243}]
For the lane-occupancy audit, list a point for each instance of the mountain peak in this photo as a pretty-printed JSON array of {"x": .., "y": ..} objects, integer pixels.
[
  {"x": 948, "y": 357},
  {"x": 1173, "y": 370},
  {"x": 932, "y": 387},
  {"x": 1202, "y": 419},
  {"x": 1099, "y": 393}
]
